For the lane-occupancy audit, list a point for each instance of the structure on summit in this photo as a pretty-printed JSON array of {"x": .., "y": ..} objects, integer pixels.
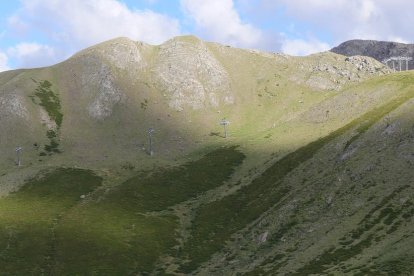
[{"x": 399, "y": 60}]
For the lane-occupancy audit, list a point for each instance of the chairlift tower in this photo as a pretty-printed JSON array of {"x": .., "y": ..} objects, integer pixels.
[
  {"x": 150, "y": 132},
  {"x": 18, "y": 150},
  {"x": 406, "y": 59},
  {"x": 224, "y": 123},
  {"x": 398, "y": 59},
  {"x": 385, "y": 61}
]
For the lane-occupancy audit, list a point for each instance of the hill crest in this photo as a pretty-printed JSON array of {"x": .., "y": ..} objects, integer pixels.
[{"x": 380, "y": 50}]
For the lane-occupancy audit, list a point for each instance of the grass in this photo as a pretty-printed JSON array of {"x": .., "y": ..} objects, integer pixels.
[
  {"x": 368, "y": 231},
  {"x": 102, "y": 238},
  {"x": 167, "y": 187},
  {"x": 401, "y": 266},
  {"x": 53, "y": 147},
  {"x": 365, "y": 122},
  {"x": 28, "y": 218},
  {"x": 127, "y": 229},
  {"x": 215, "y": 222},
  {"x": 122, "y": 239},
  {"x": 46, "y": 228}
]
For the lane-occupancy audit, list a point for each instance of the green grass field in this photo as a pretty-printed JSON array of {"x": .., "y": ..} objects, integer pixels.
[
  {"x": 29, "y": 217},
  {"x": 57, "y": 224}
]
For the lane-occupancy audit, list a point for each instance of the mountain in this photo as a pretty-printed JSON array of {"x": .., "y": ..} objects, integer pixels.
[
  {"x": 315, "y": 176},
  {"x": 380, "y": 50}
]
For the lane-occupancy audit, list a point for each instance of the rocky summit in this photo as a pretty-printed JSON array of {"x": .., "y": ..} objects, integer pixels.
[
  {"x": 196, "y": 158},
  {"x": 380, "y": 50}
]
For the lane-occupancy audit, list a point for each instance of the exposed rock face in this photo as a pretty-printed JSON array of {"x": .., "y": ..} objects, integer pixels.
[
  {"x": 364, "y": 64},
  {"x": 333, "y": 73},
  {"x": 188, "y": 74},
  {"x": 379, "y": 50},
  {"x": 125, "y": 55},
  {"x": 46, "y": 120},
  {"x": 355, "y": 69},
  {"x": 183, "y": 70},
  {"x": 100, "y": 80},
  {"x": 12, "y": 105},
  {"x": 122, "y": 53},
  {"x": 102, "y": 66}
]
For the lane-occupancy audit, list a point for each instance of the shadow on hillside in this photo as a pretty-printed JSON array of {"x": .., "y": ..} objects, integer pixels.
[{"x": 125, "y": 230}]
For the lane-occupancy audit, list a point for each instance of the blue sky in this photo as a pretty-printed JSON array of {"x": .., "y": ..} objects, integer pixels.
[{"x": 36, "y": 33}]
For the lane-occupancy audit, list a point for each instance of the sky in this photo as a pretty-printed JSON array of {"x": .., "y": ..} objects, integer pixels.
[{"x": 36, "y": 33}]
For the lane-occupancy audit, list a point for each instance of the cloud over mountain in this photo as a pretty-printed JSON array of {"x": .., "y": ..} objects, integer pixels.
[
  {"x": 218, "y": 20},
  {"x": 71, "y": 25}
]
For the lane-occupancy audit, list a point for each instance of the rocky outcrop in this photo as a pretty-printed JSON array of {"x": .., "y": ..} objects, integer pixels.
[
  {"x": 380, "y": 50},
  {"x": 100, "y": 82},
  {"x": 183, "y": 70},
  {"x": 189, "y": 75},
  {"x": 12, "y": 105},
  {"x": 333, "y": 72}
]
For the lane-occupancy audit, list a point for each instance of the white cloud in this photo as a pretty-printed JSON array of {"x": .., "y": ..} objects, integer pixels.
[
  {"x": 32, "y": 54},
  {"x": 300, "y": 47},
  {"x": 3, "y": 62},
  {"x": 87, "y": 22},
  {"x": 70, "y": 26},
  {"x": 352, "y": 19},
  {"x": 218, "y": 20}
]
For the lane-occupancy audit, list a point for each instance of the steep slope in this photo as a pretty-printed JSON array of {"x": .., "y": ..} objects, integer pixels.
[
  {"x": 182, "y": 88},
  {"x": 380, "y": 50},
  {"x": 314, "y": 178},
  {"x": 341, "y": 204}
]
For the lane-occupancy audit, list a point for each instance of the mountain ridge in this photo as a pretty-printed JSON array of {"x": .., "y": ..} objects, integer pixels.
[
  {"x": 314, "y": 176},
  {"x": 184, "y": 74},
  {"x": 380, "y": 50}
]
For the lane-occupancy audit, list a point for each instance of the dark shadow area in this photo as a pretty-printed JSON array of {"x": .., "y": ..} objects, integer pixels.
[
  {"x": 113, "y": 233},
  {"x": 217, "y": 134},
  {"x": 248, "y": 203},
  {"x": 28, "y": 219}
]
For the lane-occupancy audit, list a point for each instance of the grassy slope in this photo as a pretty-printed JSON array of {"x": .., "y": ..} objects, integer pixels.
[
  {"x": 112, "y": 231},
  {"x": 87, "y": 239},
  {"x": 28, "y": 219},
  {"x": 260, "y": 82},
  {"x": 274, "y": 189},
  {"x": 216, "y": 221}
]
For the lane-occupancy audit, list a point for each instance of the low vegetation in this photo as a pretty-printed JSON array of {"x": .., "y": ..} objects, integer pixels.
[
  {"x": 215, "y": 222},
  {"x": 50, "y": 101},
  {"x": 28, "y": 219},
  {"x": 321, "y": 183},
  {"x": 56, "y": 225},
  {"x": 167, "y": 187}
]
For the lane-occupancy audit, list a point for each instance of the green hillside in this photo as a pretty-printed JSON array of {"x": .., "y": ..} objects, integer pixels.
[{"x": 315, "y": 176}]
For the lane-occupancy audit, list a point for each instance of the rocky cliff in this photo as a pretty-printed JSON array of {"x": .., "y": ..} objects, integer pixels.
[{"x": 380, "y": 50}]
